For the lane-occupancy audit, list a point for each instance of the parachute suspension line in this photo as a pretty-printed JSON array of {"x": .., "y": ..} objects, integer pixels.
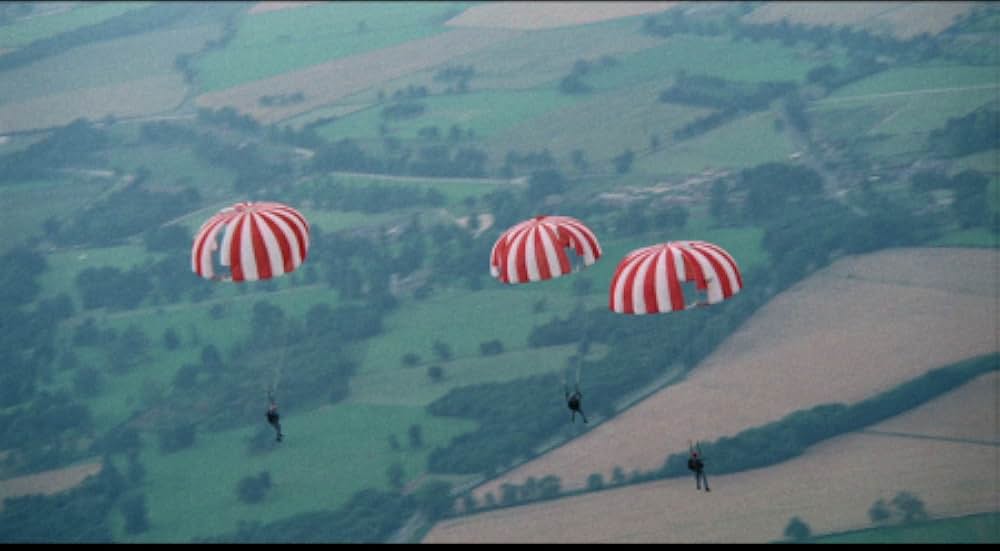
[{"x": 280, "y": 368}]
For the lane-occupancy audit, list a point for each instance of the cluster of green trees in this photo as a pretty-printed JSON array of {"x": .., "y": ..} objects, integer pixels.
[
  {"x": 328, "y": 193},
  {"x": 129, "y": 23},
  {"x": 458, "y": 76},
  {"x": 72, "y": 146},
  {"x": 969, "y": 134},
  {"x": 969, "y": 189},
  {"x": 719, "y": 93},
  {"x": 80, "y": 515},
  {"x": 790, "y": 436},
  {"x": 122, "y": 214},
  {"x": 370, "y": 516}
]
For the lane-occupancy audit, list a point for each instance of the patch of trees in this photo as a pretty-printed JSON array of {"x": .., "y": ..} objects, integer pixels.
[
  {"x": 70, "y": 146},
  {"x": 403, "y": 110},
  {"x": 969, "y": 190},
  {"x": 573, "y": 82},
  {"x": 228, "y": 117},
  {"x": 705, "y": 124},
  {"x": 906, "y": 508},
  {"x": 513, "y": 418},
  {"x": 133, "y": 22},
  {"x": 457, "y": 76},
  {"x": 79, "y": 515},
  {"x": 522, "y": 163},
  {"x": 328, "y": 193},
  {"x": 719, "y": 93},
  {"x": 371, "y": 516},
  {"x": 45, "y": 432},
  {"x": 27, "y": 337},
  {"x": 109, "y": 287},
  {"x": 772, "y": 189},
  {"x": 856, "y": 40},
  {"x": 344, "y": 155},
  {"x": 859, "y": 66},
  {"x": 639, "y": 218},
  {"x": 969, "y": 134},
  {"x": 123, "y": 213},
  {"x": 253, "y": 489},
  {"x": 790, "y": 436}
]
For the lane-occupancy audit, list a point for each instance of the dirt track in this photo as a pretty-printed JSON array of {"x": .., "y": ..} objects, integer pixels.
[{"x": 48, "y": 482}]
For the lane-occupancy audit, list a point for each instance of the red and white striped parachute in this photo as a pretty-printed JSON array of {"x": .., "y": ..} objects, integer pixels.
[
  {"x": 533, "y": 250},
  {"x": 648, "y": 280},
  {"x": 259, "y": 241}
]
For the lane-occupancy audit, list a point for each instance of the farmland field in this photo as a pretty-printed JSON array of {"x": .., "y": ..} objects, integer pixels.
[
  {"x": 529, "y": 16},
  {"x": 22, "y": 217},
  {"x": 56, "y": 90},
  {"x": 324, "y": 83},
  {"x": 484, "y": 113},
  {"x": 831, "y": 487},
  {"x": 23, "y": 32},
  {"x": 981, "y": 528},
  {"x": 851, "y": 330},
  {"x": 900, "y": 19},
  {"x": 329, "y": 453},
  {"x": 275, "y": 42}
]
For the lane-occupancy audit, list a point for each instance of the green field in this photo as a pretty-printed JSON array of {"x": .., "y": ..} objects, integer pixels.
[
  {"x": 413, "y": 386},
  {"x": 455, "y": 190},
  {"x": 463, "y": 321},
  {"x": 485, "y": 113},
  {"x": 329, "y": 453},
  {"x": 25, "y": 216},
  {"x": 276, "y": 42},
  {"x": 602, "y": 125},
  {"x": 720, "y": 57},
  {"x": 110, "y": 62},
  {"x": 926, "y": 78},
  {"x": 24, "y": 32},
  {"x": 747, "y": 141},
  {"x": 902, "y": 107},
  {"x": 981, "y": 528},
  {"x": 176, "y": 166}
]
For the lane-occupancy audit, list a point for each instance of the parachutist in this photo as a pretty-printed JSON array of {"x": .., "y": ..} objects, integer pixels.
[
  {"x": 696, "y": 464},
  {"x": 573, "y": 401},
  {"x": 272, "y": 417}
]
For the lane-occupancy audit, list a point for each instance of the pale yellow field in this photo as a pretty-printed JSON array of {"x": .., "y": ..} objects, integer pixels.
[
  {"x": 861, "y": 326},
  {"x": 547, "y": 15},
  {"x": 901, "y": 19},
  {"x": 264, "y": 7},
  {"x": 158, "y": 93},
  {"x": 327, "y": 82},
  {"x": 831, "y": 487},
  {"x": 48, "y": 482}
]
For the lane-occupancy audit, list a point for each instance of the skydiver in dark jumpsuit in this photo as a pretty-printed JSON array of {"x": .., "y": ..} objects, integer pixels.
[
  {"x": 273, "y": 417},
  {"x": 697, "y": 465},
  {"x": 573, "y": 401}
]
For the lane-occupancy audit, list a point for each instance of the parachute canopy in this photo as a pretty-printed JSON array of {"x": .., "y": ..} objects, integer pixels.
[
  {"x": 260, "y": 241},
  {"x": 533, "y": 250},
  {"x": 649, "y": 280}
]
